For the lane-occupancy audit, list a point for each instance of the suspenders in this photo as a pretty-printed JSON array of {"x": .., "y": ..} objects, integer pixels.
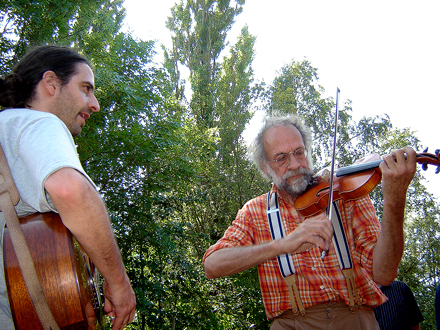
[{"x": 285, "y": 261}]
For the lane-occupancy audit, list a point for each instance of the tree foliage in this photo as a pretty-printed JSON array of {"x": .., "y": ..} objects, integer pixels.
[
  {"x": 222, "y": 95},
  {"x": 295, "y": 90},
  {"x": 167, "y": 152}
]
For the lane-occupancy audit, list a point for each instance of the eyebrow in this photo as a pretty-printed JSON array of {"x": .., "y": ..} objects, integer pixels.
[
  {"x": 285, "y": 153},
  {"x": 85, "y": 82}
]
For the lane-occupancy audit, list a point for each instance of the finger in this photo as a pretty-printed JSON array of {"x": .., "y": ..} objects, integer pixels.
[
  {"x": 131, "y": 316},
  {"x": 411, "y": 155},
  {"x": 108, "y": 307},
  {"x": 319, "y": 241},
  {"x": 118, "y": 323},
  {"x": 110, "y": 315},
  {"x": 402, "y": 160},
  {"x": 320, "y": 217},
  {"x": 305, "y": 247},
  {"x": 404, "y": 154},
  {"x": 326, "y": 229},
  {"x": 389, "y": 161},
  {"x": 395, "y": 156},
  {"x": 320, "y": 226}
]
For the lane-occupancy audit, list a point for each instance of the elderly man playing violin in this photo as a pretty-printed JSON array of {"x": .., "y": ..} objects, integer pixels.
[{"x": 302, "y": 288}]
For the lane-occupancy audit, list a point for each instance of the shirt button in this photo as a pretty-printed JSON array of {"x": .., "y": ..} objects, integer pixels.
[
  {"x": 322, "y": 287},
  {"x": 313, "y": 268}
]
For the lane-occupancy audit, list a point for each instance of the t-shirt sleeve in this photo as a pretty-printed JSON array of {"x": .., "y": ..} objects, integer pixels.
[{"x": 45, "y": 146}]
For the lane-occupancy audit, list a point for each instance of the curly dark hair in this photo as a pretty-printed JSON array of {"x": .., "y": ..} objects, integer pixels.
[{"x": 19, "y": 86}]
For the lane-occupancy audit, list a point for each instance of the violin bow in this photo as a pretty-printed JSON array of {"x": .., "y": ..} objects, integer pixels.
[{"x": 332, "y": 167}]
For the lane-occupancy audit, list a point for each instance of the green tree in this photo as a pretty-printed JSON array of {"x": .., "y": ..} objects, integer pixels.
[
  {"x": 223, "y": 93},
  {"x": 419, "y": 267},
  {"x": 173, "y": 172},
  {"x": 199, "y": 29},
  {"x": 131, "y": 148},
  {"x": 295, "y": 90},
  {"x": 26, "y": 23}
]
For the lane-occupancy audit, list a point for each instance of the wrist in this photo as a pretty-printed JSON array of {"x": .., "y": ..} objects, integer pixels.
[{"x": 277, "y": 248}]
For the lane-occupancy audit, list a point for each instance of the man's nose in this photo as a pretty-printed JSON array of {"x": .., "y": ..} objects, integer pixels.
[
  {"x": 94, "y": 104},
  {"x": 293, "y": 162}
]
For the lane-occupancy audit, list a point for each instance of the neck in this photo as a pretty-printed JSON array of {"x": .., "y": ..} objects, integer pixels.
[{"x": 289, "y": 198}]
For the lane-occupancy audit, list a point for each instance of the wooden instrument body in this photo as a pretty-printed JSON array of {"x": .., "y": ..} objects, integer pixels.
[
  {"x": 67, "y": 276},
  {"x": 350, "y": 183}
]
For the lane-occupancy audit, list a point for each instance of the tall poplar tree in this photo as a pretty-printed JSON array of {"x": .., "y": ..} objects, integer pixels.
[
  {"x": 173, "y": 171},
  {"x": 222, "y": 94}
]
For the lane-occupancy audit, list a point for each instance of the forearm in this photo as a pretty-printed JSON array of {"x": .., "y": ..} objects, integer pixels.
[
  {"x": 229, "y": 261},
  {"x": 390, "y": 244},
  {"x": 398, "y": 170},
  {"x": 91, "y": 228},
  {"x": 83, "y": 213},
  {"x": 315, "y": 231}
]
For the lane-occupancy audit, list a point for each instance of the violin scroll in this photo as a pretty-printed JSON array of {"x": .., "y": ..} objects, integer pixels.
[
  {"x": 351, "y": 182},
  {"x": 426, "y": 159}
]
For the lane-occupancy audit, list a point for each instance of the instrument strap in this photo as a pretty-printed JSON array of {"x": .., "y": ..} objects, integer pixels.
[
  {"x": 285, "y": 261},
  {"x": 9, "y": 197}
]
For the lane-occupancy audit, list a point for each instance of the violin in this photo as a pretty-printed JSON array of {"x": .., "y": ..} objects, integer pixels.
[{"x": 350, "y": 183}]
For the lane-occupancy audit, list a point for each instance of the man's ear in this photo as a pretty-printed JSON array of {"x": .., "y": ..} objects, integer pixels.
[
  {"x": 263, "y": 166},
  {"x": 50, "y": 82}
]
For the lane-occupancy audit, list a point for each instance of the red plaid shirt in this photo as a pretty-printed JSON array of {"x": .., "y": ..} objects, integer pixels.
[{"x": 319, "y": 281}]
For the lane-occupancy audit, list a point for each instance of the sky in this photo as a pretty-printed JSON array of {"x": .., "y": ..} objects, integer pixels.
[{"x": 384, "y": 56}]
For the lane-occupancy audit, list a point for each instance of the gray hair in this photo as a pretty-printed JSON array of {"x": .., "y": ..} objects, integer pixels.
[{"x": 256, "y": 149}]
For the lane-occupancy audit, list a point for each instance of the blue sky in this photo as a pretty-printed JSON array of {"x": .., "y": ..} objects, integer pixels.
[{"x": 383, "y": 55}]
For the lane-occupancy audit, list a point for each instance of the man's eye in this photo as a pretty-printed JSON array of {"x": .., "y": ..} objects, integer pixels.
[{"x": 281, "y": 158}]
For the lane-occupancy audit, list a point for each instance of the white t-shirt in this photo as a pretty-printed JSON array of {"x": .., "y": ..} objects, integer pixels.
[{"x": 36, "y": 144}]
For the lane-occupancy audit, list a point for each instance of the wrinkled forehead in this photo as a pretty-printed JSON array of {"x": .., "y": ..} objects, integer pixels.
[{"x": 282, "y": 139}]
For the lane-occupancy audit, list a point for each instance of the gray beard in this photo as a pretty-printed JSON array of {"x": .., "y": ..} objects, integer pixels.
[{"x": 296, "y": 187}]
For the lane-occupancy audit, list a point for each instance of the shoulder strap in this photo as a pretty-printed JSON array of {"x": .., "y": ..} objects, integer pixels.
[{"x": 9, "y": 197}]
